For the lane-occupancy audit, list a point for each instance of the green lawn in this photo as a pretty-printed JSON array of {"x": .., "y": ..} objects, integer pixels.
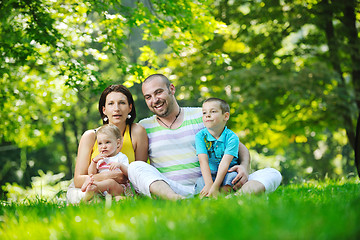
[{"x": 308, "y": 211}]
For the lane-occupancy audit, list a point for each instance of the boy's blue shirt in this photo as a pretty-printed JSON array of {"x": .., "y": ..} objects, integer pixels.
[{"x": 228, "y": 143}]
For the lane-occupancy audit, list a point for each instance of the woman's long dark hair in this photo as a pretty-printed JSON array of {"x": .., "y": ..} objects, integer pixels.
[{"x": 121, "y": 89}]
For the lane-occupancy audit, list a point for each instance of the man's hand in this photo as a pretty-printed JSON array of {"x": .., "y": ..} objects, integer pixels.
[{"x": 241, "y": 178}]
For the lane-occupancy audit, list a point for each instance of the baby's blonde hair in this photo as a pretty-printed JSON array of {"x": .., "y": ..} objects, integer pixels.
[{"x": 109, "y": 129}]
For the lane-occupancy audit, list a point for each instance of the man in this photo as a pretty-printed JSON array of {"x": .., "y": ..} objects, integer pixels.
[{"x": 174, "y": 166}]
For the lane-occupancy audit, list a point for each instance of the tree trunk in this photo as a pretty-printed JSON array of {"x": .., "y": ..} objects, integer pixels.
[
  {"x": 335, "y": 61},
  {"x": 357, "y": 146},
  {"x": 349, "y": 20},
  {"x": 67, "y": 152}
]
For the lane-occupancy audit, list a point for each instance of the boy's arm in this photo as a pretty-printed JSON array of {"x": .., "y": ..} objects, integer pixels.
[
  {"x": 205, "y": 168},
  {"x": 222, "y": 170}
]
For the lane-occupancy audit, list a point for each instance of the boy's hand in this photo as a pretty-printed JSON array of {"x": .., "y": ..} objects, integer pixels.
[
  {"x": 114, "y": 166},
  {"x": 205, "y": 191},
  {"x": 213, "y": 192}
]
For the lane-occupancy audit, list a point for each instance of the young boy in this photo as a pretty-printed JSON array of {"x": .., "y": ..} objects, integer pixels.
[
  {"x": 109, "y": 141},
  {"x": 217, "y": 148}
]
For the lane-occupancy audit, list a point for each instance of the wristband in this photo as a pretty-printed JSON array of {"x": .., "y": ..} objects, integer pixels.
[{"x": 93, "y": 161}]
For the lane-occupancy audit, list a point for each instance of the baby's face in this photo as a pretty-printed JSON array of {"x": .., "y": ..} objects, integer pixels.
[
  {"x": 213, "y": 115},
  {"x": 107, "y": 144}
]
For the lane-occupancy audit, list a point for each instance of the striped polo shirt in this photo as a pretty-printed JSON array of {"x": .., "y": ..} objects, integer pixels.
[{"x": 172, "y": 151}]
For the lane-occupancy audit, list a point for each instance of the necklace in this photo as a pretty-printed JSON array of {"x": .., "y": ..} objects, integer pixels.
[{"x": 169, "y": 127}]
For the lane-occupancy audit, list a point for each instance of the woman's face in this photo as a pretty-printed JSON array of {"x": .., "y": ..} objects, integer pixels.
[{"x": 116, "y": 107}]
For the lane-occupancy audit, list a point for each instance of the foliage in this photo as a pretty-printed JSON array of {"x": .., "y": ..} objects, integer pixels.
[
  {"x": 289, "y": 69},
  {"x": 311, "y": 210},
  {"x": 47, "y": 187},
  {"x": 287, "y": 85}
]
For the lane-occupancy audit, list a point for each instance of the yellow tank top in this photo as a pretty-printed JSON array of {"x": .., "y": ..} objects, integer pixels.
[{"x": 127, "y": 147}]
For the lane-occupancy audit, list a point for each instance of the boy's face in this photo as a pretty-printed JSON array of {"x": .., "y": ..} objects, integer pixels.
[
  {"x": 108, "y": 144},
  {"x": 213, "y": 116}
]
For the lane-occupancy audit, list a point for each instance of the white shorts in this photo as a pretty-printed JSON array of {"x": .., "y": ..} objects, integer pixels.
[
  {"x": 74, "y": 195},
  {"x": 142, "y": 175},
  {"x": 269, "y": 177}
]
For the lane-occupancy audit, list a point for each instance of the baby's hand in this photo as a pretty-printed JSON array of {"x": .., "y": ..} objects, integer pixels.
[
  {"x": 114, "y": 166},
  {"x": 98, "y": 158}
]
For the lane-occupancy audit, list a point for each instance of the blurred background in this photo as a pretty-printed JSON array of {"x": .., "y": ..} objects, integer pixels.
[{"x": 289, "y": 69}]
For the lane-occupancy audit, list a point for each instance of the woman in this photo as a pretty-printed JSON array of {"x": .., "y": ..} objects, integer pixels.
[{"x": 116, "y": 106}]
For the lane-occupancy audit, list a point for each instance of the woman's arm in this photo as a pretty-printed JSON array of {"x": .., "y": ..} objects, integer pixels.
[
  {"x": 86, "y": 144},
  {"x": 140, "y": 142}
]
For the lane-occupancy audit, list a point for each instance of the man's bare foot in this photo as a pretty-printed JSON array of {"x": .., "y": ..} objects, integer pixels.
[{"x": 88, "y": 181}]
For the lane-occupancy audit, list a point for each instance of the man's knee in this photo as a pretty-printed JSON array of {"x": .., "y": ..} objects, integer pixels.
[
  {"x": 270, "y": 178},
  {"x": 135, "y": 167},
  {"x": 253, "y": 187}
]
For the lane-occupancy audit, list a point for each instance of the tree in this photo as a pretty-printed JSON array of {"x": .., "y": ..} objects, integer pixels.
[
  {"x": 56, "y": 57},
  {"x": 291, "y": 74}
]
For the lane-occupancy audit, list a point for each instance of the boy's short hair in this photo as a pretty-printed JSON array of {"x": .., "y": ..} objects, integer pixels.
[
  {"x": 109, "y": 129},
  {"x": 223, "y": 104}
]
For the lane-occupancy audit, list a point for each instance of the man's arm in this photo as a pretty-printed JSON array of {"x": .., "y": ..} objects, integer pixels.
[{"x": 242, "y": 169}]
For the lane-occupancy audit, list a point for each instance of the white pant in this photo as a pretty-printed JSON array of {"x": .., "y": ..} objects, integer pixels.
[
  {"x": 74, "y": 195},
  {"x": 142, "y": 175}
]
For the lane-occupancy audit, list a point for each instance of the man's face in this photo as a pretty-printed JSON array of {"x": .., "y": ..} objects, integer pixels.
[{"x": 158, "y": 97}]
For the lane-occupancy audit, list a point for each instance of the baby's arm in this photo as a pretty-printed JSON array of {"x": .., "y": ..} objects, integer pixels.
[
  {"x": 222, "y": 170},
  {"x": 92, "y": 167},
  {"x": 121, "y": 166}
]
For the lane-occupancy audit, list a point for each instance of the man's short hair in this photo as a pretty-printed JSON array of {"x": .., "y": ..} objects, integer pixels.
[
  {"x": 158, "y": 76},
  {"x": 109, "y": 129},
  {"x": 223, "y": 104}
]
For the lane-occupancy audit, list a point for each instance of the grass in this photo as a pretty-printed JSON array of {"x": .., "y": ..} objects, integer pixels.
[{"x": 326, "y": 210}]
